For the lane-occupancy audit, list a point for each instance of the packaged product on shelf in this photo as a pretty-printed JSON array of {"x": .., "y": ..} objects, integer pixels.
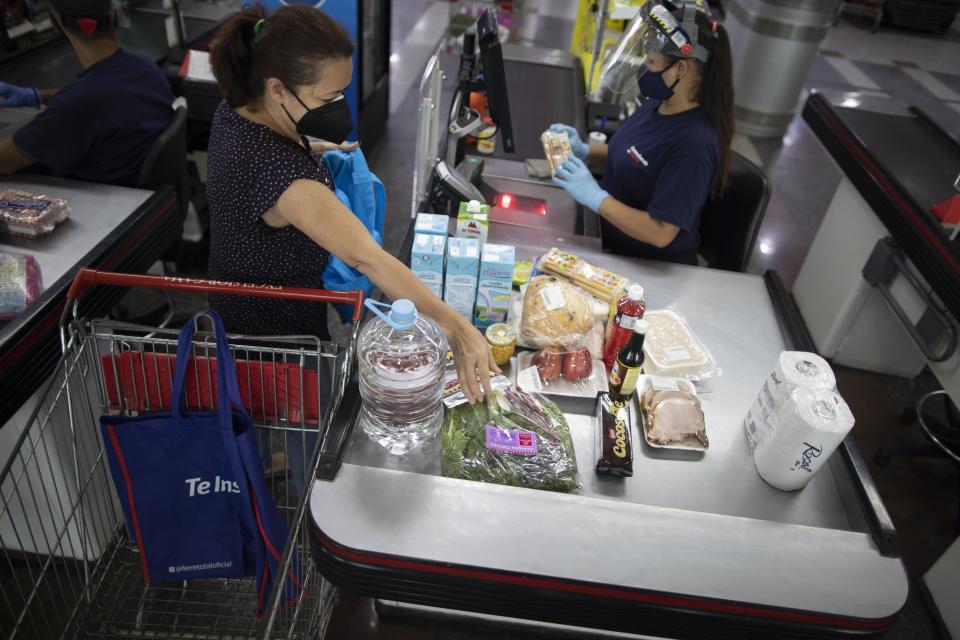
[
  {"x": 793, "y": 369},
  {"x": 556, "y": 148},
  {"x": 673, "y": 350},
  {"x": 563, "y": 373},
  {"x": 473, "y": 221},
  {"x": 460, "y": 283},
  {"x": 426, "y": 260},
  {"x": 495, "y": 285},
  {"x": 806, "y": 429},
  {"x": 672, "y": 415},
  {"x": 30, "y": 215},
  {"x": 513, "y": 438},
  {"x": 598, "y": 282},
  {"x": 20, "y": 283},
  {"x": 555, "y": 314},
  {"x": 614, "y": 443}
]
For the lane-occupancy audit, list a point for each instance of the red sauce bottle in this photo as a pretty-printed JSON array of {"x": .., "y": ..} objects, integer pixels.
[{"x": 629, "y": 309}]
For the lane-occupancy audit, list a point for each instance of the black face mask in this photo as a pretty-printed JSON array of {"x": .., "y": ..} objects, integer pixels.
[
  {"x": 652, "y": 84},
  {"x": 331, "y": 122}
]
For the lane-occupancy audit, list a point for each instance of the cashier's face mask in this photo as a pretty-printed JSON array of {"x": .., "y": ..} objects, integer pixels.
[
  {"x": 652, "y": 84},
  {"x": 331, "y": 122}
]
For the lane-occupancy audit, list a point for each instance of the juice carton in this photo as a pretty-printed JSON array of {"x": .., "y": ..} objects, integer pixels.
[
  {"x": 426, "y": 260},
  {"x": 473, "y": 221},
  {"x": 495, "y": 284},
  {"x": 463, "y": 263},
  {"x": 432, "y": 223}
]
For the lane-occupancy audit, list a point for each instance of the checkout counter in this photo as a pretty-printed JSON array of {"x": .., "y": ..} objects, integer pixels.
[
  {"x": 110, "y": 228},
  {"x": 691, "y": 546}
]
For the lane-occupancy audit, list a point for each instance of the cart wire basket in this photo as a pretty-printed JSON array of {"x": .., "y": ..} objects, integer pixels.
[{"x": 68, "y": 566}]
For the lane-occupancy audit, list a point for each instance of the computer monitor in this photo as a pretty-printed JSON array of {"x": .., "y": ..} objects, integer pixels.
[{"x": 491, "y": 61}]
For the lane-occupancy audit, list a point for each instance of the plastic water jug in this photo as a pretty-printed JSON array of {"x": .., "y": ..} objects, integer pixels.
[{"x": 401, "y": 357}]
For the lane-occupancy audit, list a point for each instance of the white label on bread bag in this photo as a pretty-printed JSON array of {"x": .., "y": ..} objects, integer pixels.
[
  {"x": 529, "y": 380},
  {"x": 664, "y": 384},
  {"x": 553, "y": 298},
  {"x": 672, "y": 354}
]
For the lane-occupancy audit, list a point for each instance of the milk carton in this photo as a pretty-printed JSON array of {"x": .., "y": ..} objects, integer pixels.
[
  {"x": 495, "y": 284},
  {"x": 426, "y": 260},
  {"x": 463, "y": 264},
  {"x": 473, "y": 221},
  {"x": 431, "y": 223}
]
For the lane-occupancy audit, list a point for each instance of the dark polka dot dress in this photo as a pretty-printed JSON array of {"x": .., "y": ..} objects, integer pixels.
[{"x": 249, "y": 167}]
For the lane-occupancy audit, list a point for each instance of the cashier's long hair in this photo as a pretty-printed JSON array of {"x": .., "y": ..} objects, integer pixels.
[
  {"x": 287, "y": 44},
  {"x": 715, "y": 93}
]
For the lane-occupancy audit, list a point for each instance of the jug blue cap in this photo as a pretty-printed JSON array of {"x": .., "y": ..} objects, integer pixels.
[{"x": 403, "y": 313}]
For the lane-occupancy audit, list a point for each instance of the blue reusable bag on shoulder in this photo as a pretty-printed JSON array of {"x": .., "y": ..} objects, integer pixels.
[
  {"x": 192, "y": 487},
  {"x": 363, "y": 193}
]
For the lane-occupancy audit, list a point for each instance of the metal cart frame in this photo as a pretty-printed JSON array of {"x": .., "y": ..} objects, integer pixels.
[{"x": 72, "y": 568}]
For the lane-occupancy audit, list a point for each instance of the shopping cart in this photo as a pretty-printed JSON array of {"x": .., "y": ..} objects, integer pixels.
[{"x": 67, "y": 565}]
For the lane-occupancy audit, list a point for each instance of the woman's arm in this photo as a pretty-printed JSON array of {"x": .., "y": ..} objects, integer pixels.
[
  {"x": 638, "y": 224},
  {"x": 317, "y": 212}
]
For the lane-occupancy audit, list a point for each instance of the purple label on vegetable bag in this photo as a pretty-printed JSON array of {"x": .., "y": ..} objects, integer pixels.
[{"x": 511, "y": 441}]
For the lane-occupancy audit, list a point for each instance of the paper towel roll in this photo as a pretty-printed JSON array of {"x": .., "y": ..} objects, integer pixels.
[
  {"x": 796, "y": 369},
  {"x": 807, "y": 429},
  {"x": 793, "y": 369}
]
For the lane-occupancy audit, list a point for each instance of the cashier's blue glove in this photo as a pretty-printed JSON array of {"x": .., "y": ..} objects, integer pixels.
[
  {"x": 13, "y": 96},
  {"x": 576, "y": 179},
  {"x": 580, "y": 148}
]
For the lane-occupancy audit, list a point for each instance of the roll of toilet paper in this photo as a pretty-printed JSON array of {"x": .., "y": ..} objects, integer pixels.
[{"x": 806, "y": 430}]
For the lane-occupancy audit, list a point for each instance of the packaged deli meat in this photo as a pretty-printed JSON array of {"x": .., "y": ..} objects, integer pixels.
[{"x": 30, "y": 215}]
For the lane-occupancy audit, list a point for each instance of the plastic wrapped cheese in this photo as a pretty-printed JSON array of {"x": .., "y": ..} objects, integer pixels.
[{"x": 671, "y": 349}]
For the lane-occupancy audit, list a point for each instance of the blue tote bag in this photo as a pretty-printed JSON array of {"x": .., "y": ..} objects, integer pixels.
[{"x": 192, "y": 488}]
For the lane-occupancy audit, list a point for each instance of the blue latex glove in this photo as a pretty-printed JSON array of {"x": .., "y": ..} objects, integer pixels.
[
  {"x": 574, "y": 176},
  {"x": 580, "y": 148},
  {"x": 13, "y": 96}
]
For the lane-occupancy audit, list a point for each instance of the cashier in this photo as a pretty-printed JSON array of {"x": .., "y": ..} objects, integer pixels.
[
  {"x": 100, "y": 127},
  {"x": 674, "y": 151},
  {"x": 274, "y": 218}
]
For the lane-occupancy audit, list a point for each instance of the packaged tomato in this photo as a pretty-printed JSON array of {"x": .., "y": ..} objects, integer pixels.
[{"x": 573, "y": 373}]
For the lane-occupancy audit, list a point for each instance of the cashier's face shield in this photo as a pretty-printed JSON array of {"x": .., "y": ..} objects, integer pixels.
[{"x": 655, "y": 29}]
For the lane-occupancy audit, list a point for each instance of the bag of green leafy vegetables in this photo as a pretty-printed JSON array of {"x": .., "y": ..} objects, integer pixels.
[{"x": 513, "y": 438}]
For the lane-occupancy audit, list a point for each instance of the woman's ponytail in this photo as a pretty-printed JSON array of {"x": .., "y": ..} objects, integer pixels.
[
  {"x": 716, "y": 96},
  {"x": 290, "y": 44},
  {"x": 231, "y": 56}
]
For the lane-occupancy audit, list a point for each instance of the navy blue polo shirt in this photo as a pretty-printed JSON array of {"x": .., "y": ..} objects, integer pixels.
[
  {"x": 101, "y": 126},
  {"x": 664, "y": 165}
]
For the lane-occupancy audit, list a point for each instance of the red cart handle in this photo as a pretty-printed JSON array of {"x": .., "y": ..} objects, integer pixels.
[{"x": 87, "y": 278}]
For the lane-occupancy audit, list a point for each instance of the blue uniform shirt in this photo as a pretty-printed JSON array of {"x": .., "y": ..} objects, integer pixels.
[
  {"x": 101, "y": 126},
  {"x": 664, "y": 165}
]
